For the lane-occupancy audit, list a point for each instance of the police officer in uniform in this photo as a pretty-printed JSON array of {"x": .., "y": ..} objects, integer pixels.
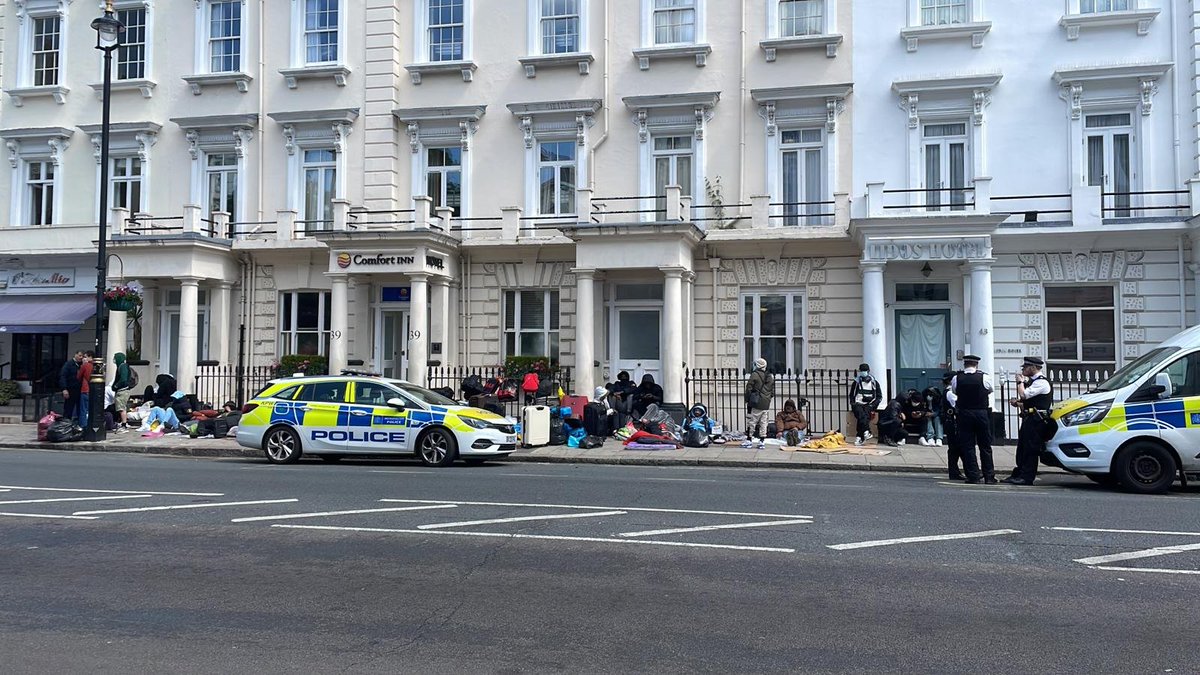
[
  {"x": 1035, "y": 395},
  {"x": 972, "y": 390},
  {"x": 949, "y": 418}
]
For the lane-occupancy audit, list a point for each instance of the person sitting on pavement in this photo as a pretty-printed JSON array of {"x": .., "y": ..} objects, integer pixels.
[
  {"x": 219, "y": 425},
  {"x": 865, "y": 397},
  {"x": 891, "y": 423},
  {"x": 622, "y": 397},
  {"x": 917, "y": 415},
  {"x": 790, "y": 424},
  {"x": 647, "y": 393}
]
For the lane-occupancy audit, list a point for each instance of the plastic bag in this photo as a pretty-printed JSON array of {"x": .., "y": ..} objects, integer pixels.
[
  {"x": 44, "y": 424},
  {"x": 696, "y": 438},
  {"x": 591, "y": 442},
  {"x": 661, "y": 423},
  {"x": 64, "y": 431}
]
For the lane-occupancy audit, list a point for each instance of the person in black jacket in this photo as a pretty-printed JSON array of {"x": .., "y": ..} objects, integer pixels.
[
  {"x": 646, "y": 393},
  {"x": 68, "y": 381},
  {"x": 972, "y": 389},
  {"x": 891, "y": 423},
  {"x": 865, "y": 396},
  {"x": 622, "y": 397}
]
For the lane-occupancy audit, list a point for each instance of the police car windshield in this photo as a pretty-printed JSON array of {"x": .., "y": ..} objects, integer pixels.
[
  {"x": 424, "y": 395},
  {"x": 1134, "y": 371}
]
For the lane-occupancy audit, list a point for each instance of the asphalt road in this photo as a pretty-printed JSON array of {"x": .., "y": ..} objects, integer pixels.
[{"x": 582, "y": 568}]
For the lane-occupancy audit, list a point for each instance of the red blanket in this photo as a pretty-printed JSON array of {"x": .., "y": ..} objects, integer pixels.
[{"x": 646, "y": 437}]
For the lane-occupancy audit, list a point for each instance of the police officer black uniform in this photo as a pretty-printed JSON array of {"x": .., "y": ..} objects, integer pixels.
[
  {"x": 1035, "y": 395},
  {"x": 972, "y": 389},
  {"x": 949, "y": 417}
]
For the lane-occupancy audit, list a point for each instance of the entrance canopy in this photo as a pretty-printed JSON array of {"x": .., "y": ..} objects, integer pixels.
[{"x": 45, "y": 313}]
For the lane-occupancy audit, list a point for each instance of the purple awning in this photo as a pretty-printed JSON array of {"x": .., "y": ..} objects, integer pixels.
[{"x": 45, "y": 313}]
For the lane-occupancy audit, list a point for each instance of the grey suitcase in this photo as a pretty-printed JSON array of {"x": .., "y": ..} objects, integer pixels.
[{"x": 535, "y": 426}]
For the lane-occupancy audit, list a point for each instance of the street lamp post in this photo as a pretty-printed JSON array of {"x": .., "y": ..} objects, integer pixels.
[{"x": 108, "y": 38}]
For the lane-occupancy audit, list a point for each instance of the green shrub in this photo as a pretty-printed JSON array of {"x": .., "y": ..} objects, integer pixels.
[
  {"x": 309, "y": 364},
  {"x": 8, "y": 391},
  {"x": 517, "y": 366}
]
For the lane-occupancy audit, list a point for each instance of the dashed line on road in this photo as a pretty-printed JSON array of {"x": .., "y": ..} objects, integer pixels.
[
  {"x": 74, "y": 499},
  {"x": 186, "y": 506},
  {"x": 494, "y": 521},
  {"x": 1110, "y": 531},
  {"x": 594, "y": 508},
  {"x": 1143, "y": 569},
  {"x": 706, "y": 528},
  {"x": 917, "y": 540},
  {"x": 1137, "y": 555},
  {"x": 45, "y": 515},
  {"x": 321, "y": 514},
  {"x": 115, "y": 492},
  {"x": 504, "y": 535}
]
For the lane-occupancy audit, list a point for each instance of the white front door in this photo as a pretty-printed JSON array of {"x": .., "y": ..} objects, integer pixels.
[
  {"x": 637, "y": 341},
  {"x": 393, "y": 343}
]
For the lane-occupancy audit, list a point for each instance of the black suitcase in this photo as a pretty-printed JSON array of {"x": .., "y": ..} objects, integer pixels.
[{"x": 595, "y": 420}]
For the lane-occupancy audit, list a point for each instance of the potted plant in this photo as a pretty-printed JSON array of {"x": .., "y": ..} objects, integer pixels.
[{"x": 123, "y": 298}]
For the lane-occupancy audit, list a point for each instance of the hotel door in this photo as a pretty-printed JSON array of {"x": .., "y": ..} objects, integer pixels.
[
  {"x": 393, "y": 343},
  {"x": 922, "y": 348}
]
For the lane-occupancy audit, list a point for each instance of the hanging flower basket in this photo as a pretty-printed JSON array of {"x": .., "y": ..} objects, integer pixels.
[
  {"x": 122, "y": 305},
  {"x": 123, "y": 298}
]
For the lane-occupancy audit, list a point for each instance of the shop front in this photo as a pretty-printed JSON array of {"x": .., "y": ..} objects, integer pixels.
[{"x": 42, "y": 311}]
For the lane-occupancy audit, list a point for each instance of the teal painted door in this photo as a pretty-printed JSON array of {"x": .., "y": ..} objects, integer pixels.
[{"x": 922, "y": 348}]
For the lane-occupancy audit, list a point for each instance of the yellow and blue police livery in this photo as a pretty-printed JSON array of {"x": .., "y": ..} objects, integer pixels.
[
  {"x": 332, "y": 417},
  {"x": 1140, "y": 429}
]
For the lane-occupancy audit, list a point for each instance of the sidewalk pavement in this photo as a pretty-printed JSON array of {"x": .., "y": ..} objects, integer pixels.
[{"x": 908, "y": 458}]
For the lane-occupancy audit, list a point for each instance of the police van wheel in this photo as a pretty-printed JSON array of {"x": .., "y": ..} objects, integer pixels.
[
  {"x": 437, "y": 448},
  {"x": 1144, "y": 467},
  {"x": 282, "y": 445}
]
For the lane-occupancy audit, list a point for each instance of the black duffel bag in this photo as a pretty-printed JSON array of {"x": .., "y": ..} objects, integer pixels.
[{"x": 64, "y": 431}]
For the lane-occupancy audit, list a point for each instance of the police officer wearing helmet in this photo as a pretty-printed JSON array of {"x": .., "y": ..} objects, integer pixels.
[
  {"x": 1035, "y": 395},
  {"x": 972, "y": 389}
]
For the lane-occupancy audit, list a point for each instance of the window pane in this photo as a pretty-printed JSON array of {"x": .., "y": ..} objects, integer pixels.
[
  {"x": 801, "y": 17},
  {"x": 772, "y": 313},
  {"x": 533, "y": 344},
  {"x": 1099, "y": 335},
  {"x": 922, "y": 292},
  {"x": 774, "y": 350},
  {"x": 510, "y": 310},
  {"x": 1095, "y": 160},
  {"x": 1062, "y": 339},
  {"x": 1110, "y": 120},
  {"x": 286, "y": 318},
  {"x": 639, "y": 334},
  {"x": 308, "y": 310},
  {"x": 566, "y": 189},
  {"x": 533, "y": 309},
  {"x": 546, "y": 189},
  {"x": 553, "y": 310},
  {"x": 1079, "y": 296},
  {"x": 308, "y": 343}
]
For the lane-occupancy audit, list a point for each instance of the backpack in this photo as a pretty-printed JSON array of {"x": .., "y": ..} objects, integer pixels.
[
  {"x": 531, "y": 383},
  {"x": 133, "y": 379},
  {"x": 471, "y": 385}
]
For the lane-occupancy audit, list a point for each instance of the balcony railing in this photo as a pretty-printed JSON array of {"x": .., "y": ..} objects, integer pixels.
[{"x": 1144, "y": 204}]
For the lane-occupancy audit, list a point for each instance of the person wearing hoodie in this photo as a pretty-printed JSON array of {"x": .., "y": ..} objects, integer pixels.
[
  {"x": 122, "y": 385},
  {"x": 865, "y": 397},
  {"x": 790, "y": 423},
  {"x": 760, "y": 387},
  {"x": 646, "y": 393}
]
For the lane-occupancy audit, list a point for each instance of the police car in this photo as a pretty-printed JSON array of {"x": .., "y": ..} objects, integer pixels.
[
  {"x": 366, "y": 415},
  {"x": 1140, "y": 429}
]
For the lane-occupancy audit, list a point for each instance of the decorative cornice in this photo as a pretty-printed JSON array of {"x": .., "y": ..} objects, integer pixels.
[
  {"x": 706, "y": 99},
  {"x": 1131, "y": 71},
  {"x": 585, "y": 107},
  {"x": 448, "y": 113},
  {"x": 332, "y": 115},
  {"x": 244, "y": 121},
  {"x": 947, "y": 83}
]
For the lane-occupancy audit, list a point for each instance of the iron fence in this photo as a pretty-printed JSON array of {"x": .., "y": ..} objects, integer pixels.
[
  {"x": 451, "y": 377},
  {"x": 217, "y": 383},
  {"x": 1066, "y": 382}
]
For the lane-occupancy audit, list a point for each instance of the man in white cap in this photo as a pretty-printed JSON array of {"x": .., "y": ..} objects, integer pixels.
[
  {"x": 972, "y": 389},
  {"x": 1034, "y": 398},
  {"x": 760, "y": 387}
]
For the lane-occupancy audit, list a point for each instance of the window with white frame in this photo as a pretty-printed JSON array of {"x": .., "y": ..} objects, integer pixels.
[
  {"x": 802, "y": 167},
  {"x": 773, "y": 329},
  {"x": 674, "y": 21},
  {"x": 304, "y": 322},
  {"x": 801, "y": 17},
  {"x": 1095, "y": 6},
  {"x": 444, "y": 177},
  {"x": 39, "y": 192},
  {"x": 321, "y": 31},
  {"x": 673, "y": 165},
  {"x": 558, "y": 24},
  {"x": 126, "y": 183},
  {"x": 556, "y": 167},
  {"x": 531, "y": 323},
  {"x": 224, "y": 20},
  {"x": 1109, "y": 154},
  {"x": 947, "y": 167},
  {"x": 446, "y": 30},
  {"x": 318, "y": 170},
  {"x": 131, "y": 55},
  {"x": 220, "y": 182},
  {"x": 46, "y": 50},
  {"x": 1081, "y": 327},
  {"x": 944, "y": 12}
]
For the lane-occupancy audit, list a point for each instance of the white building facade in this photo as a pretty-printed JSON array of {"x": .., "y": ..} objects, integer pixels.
[{"x": 644, "y": 185}]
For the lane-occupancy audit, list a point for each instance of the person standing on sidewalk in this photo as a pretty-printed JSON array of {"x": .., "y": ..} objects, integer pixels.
[
  {"x": 760, "y": 387},
  {"x": 865, "y": 397},
  {"x": 85, "y": 376},
  {"x": 949, "y": 418},
  {"x": 1035, "y": 395},
  {"x": 68, "y": 381},
  {"x": 973, "y": 391}
]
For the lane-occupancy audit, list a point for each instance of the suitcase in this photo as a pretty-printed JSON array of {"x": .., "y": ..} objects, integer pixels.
[
  {"x": 576, "y": 404},
  {"x": 535, "y": 426},
  {"x": 595, "y": 420}
]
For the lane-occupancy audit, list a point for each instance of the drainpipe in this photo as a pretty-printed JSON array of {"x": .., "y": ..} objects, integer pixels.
[
  {"x": 464, "y": 330},
  {"x": 1182, "y": 288}
]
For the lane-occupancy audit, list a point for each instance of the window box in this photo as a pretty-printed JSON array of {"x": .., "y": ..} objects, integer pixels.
[
  {"x": 581, "y": 59},
  {"x": 416, "y": 71},
  {"x": 339, "y": 74},
  {"x": 699, "y": 52},
  {"x": 974, "y": 30},
  {"x": 143, "y": 85},
  {"x": 1140, "y": 18},
  {"x": 828, "y": 42},
  {"x": 199, "y": 81},
  {"x": 19, "y": 94}
]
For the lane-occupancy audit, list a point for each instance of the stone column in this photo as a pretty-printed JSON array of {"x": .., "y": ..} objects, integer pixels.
[
  {"x": 672, "y": 331},
  {"x": 585, "y": 331},
  {"x": 114, "y": 342},
  {"x": 218, "y": 323},
  {"x": 149, "y": 346},
  {"x": 874, "y": 319},
  {"x": 418, "y": 330},
  {"x": 982, "y": 338},
  {"x": 189, "y": 333},
  {"x": 339, "y": 323},
  {"x": 439, "y": 328}
]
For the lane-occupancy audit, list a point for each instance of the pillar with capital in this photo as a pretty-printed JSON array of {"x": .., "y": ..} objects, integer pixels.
[
  {"x": 982, "y": 331},
  {"x": 117, "y": 323},
  {"x": 339, "y": 323},
  {"x": 418, "y": 329},
  {"x": 874, "y": 318},
  {"x": 189, "y": 332},
  {"x": 218, "y": 322},
  {"x": 585, "y": 331},
  {"x": 672, "y": 331},
  {"x": 439, "y": 328},
  {"x": 148, "y": 347}
]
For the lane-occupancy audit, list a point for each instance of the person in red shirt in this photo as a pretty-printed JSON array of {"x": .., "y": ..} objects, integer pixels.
[{"x": 85, "y": 375}]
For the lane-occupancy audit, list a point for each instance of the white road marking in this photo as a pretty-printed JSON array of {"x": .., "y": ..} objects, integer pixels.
[
  {"x": 594, "y": 508},
  {"x": 1099, "y": 529},
  {"x": 74, "y": 499},
  {"x": 915, "y": 540},
  {"x": 292, "y": 516},
  {"x": 422, "y": 473},
  {"x": 541, "y": 536},
  {"x": 557, "y": 516},
  {"x": 6, "y": 490},
  {"x": 1137, "y": 555},
  {"x": 42, "y": 515},
  {"x": 117, "y": 492},
  {"x": 705, "y": 528},
  {"x": 1144, "y": 569},
  {"x": 187, "y": 506}
]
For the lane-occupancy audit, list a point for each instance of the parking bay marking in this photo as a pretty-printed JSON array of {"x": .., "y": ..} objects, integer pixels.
[
  {"x": 915, "y": 540},
  {"x": 1143, "y": 569},
  {"x": 504, "y": 535},
  {"x": 554, "y": 516},
  {"x": 74, "y": 499},
  {"x": 293, "y": 516},
  {"x": 116, "y": 492},
  {"x": 186, "y": 506},
  {"x": 1111, "y": 531},
  {"x": 45, "y": 515},
  {"x": 1137, "y": 555},
  {"x": 594, "y": 508},
  {"x": 706, "y": 528}
]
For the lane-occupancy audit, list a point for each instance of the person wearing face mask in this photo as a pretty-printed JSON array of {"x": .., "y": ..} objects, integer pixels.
[{"x": 865, "y": 396}]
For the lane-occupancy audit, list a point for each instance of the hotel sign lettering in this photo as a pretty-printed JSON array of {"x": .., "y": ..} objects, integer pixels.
[
  {"x": 956, "y": 248},
  {"x": 404, "y": 261}
]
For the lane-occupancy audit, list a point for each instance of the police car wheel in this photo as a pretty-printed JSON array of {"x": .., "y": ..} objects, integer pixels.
[
  {"x": 437, "y": 447},
  {"x": 1144, "y": 467},
  {"x": 282, "y": 445}
]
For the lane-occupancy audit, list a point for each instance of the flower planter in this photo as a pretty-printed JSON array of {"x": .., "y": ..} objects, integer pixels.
[{"x": 121, "y": 305}]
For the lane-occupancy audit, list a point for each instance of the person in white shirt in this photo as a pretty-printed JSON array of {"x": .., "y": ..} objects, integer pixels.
[
  {"x": 1034, "y": 398},
  {"x": 972, "y": 390}
]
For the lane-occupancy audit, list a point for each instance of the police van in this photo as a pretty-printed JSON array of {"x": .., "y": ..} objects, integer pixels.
[{"x": 1140, "y": 429}]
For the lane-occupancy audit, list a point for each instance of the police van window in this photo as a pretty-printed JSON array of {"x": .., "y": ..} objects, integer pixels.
[
  {"x": 1185, "y": 376},
  {"x": 1134, "y": 371},
  {"x": 287, "y": 394},
  {"x": 372, "y": 394},
  {"x": 324, "y": 392}
]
